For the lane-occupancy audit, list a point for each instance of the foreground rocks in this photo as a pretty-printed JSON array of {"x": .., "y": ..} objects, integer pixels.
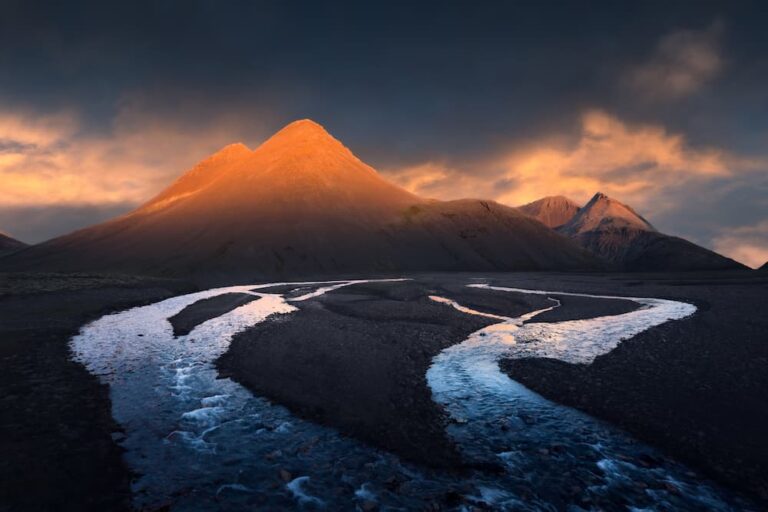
[
  {"x": 357, "y": 358},
  {"x": 58, "y": 446},
  {"x": 696, "y": 387}
]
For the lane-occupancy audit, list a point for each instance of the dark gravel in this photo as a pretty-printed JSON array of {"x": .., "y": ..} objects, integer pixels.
[
  {"x": 356, "y": 358},
  {"x": 56, "y": 447},
  {"x": 197, "y": 313},
  {"x": 697, "y": 388}
]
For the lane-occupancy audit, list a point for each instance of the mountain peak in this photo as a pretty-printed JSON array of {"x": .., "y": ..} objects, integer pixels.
[
  {"x": 305, "y": 140},
  {"x": 229, "y": 152},
  {"x": 304, "y": 124},
  {"x": 302, "y": 203},
  {"x": 605, "y": 213},
  {"x": 552, "y": 211},
  {"x": 302, "y": 129},
  {"x": 301, "y": 165},
  {"x": 235, "y": 147}
]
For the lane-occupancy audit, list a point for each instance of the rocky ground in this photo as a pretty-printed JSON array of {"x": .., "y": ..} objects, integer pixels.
[
  {"x": 56, "y": 446},
  {"x": 356, "y": 359},
  {"x": 696, "y": 388}
]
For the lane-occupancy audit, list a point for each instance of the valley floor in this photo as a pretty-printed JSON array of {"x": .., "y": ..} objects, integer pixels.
[
  {"x": 57, "y": 435},
  {"x": 696, "y": 388},
  {"x": 356, "y": 359}
]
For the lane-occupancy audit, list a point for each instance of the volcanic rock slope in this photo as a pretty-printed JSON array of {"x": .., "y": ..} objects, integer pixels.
[
  {"x": 618, "y": 234},
  {"x": 552, "y": 211},
  {"x": 303, "y": 204},
  {"x": 9, "y": 245}
]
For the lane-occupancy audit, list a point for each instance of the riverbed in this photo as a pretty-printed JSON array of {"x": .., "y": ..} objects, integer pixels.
[{"x": 199, "y": 442}]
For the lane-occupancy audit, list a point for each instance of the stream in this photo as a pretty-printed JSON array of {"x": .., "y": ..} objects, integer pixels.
[{"x": 198, "y": 442}]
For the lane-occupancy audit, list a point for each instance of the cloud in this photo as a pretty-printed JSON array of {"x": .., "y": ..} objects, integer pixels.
[
  {"x": 437, "y": 180},
  {"x": 52, "y": 163},
  {"x": 50, "y": 160},
  {"x": 639, "y": 164},
  {"x": 747, "y": 244},
  {"x": 688, "y": 191},
  {"x": 681, "y": 64},
  {"x": 57, "y": 177}
]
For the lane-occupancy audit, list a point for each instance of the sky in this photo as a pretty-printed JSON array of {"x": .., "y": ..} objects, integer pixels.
[{"x": 661, "y": 105}]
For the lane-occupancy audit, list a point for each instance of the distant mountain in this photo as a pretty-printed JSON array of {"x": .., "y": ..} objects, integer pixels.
[
  {"x": 604, "y": 213},
  {"x": 303, "y": 204},
  {"x": 621, "y": 236},
  {"x": 764, "y": 267},
  {"x": 552, "y": 211},
  {"x": 9, "y": 245}
]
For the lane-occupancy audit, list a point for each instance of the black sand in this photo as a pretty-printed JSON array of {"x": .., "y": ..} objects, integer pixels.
[
  {"x": 697, "y": 387},
  {"x": 356, "y": 358},
  {"x": 197, "y": 313},
  {"x": 56, "y": 446}
]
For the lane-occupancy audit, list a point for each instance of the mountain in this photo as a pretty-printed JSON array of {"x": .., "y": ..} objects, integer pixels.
[
  {"x": 552, "y": 211},
  {"x": 303, "y": 204},
  {"x": 602, "y": 213},
  {"x": 764, "y": 268},
  {"x": 9, "y": 245},
  {"x": 618, "y": 234}
]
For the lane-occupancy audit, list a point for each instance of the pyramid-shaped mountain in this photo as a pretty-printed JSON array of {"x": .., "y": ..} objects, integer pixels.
[
  {"x": 303, "y": 204},
  {"x": 622, "y": 237},
  {"x": 552, "y": 211}
]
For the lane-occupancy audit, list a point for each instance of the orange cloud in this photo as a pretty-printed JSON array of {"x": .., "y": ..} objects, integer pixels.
[
  {"x": 631, "y": 162},
  {"x": 634, "y": 163},
  {"x": 46, "y": 160},
  {"x": 748, "y": 244},
  {"x": 436, "y": 180}
]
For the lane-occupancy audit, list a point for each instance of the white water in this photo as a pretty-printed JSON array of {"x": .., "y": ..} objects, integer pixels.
[
  {"x": 204, "y": 443},
  {"x": 580, "y": 341},
  {"x": 499, "y": 420},
  {"x": 197, "y": 440}
]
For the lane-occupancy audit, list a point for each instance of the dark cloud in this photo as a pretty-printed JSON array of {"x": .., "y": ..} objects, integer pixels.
[
  {"x": 399, "y": 79},
  {"x": 404, "y": 84}
]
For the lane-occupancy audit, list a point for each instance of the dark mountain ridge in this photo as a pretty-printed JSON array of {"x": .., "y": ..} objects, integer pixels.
[
  {"x": 9, "y": 244},
  {"x": 627, "y": 241}
]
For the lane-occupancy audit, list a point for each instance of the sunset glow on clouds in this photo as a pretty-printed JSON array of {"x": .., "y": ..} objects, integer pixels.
[
  {"x": 642, "y": 165},
  {"x": 663, "y": 107},
  {"x": 633, "y": 163},
  {"x": 748, "y": 244},
  {"x": 44, "y": 160}
]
